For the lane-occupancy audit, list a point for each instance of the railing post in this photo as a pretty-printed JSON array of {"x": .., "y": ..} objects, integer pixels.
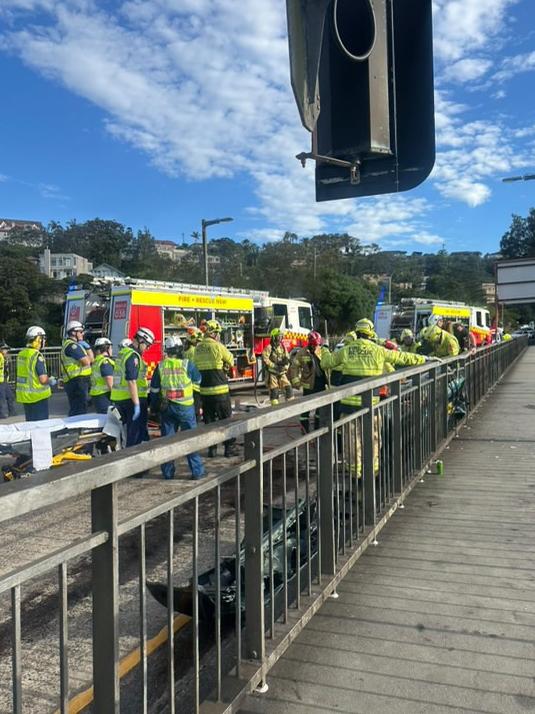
[
  {"x": 254, "y": 561},
  {"x": 395, "y": 388},
  {"x": 367, "y": 466},
  {"x": 326, "y": 493},
  {"x": 433, "y": 410},
  {"x": 105, "y": 575},
  {"x": 444, "y": 399},
  {"x": 418, "y": 461}
]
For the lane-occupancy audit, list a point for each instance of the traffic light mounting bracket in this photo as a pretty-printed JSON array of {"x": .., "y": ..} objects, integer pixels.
[{"x": 353, "y": 166}]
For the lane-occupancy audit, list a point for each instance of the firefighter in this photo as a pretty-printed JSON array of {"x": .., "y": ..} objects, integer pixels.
[
  {"x": 213, "y": 360},
  {"x": 407, "y": 341},
  {"x": 306, "y": 372},
  {"x": 439, "y": 343},
  {"x": 76, "y": 358},
  {"x": 276, "y": 365},
  {"x": 33, "y": 383},
  {"x": 360, "y": 359},
  {"x": 102, "y": 376},
  {"x": 130, "y": 387},
  {"x": 7, "y": 401},
  {"x": 466, "y": 339},
  {"x": 193, "y": 337},
  {"x": 171, "y": 391}
]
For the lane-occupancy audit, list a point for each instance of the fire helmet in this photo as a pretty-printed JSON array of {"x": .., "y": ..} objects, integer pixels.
[
  {"x": 315, "y": 339},
  {"x": 144, "y": 334}
]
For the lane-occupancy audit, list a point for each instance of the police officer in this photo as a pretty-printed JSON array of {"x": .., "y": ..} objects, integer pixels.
[
  {"x": 213, "y": 361},
  {"x": 102, "y": 375},
  {"x": 130, "y": 387},
  {"x": 171, "y": 391},
  {"x": 33, "y": 383},
  {"x": 276, "y": 364},
  {"x": 306, "y": 372},
  {"x": 76, "y": 359},
  {"x": 7, "y": 401}
]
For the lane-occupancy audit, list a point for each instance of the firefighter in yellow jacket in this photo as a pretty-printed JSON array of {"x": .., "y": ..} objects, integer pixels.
[
  {"x": 439, "y": 343},
  {"x": 306, "y": 372},
  {"x": 276, "y": 365},
  {"x": 359, "y": 359}
]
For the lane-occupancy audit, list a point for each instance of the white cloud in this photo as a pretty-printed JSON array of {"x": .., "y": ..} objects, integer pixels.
[
  {"x": 511, "y": 66},
  {"x": 202, "y": 87}
]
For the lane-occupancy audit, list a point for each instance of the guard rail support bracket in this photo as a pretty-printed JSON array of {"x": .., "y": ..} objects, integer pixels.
[
  {"x": 367, "y": 458},
  {"x": 254, "y": 563},
  {"x": 105, "y": 576},
  {"x": 396, "y": 437},
  {"x": 444, "y": 400},
  {"x": 433, "y": 408},
  {"x": 326, "y": 493}
]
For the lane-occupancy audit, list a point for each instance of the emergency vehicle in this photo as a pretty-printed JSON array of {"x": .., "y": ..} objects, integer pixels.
[
  {"x": 414, "y": 313},
  {"x": 247, "y": 316}
]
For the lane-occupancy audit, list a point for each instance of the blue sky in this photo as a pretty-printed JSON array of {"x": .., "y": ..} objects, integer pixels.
[{"x": 146, "y": 112}]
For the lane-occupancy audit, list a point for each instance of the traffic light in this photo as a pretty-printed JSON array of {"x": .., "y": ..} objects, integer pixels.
[{"x": 362, "y": 75}]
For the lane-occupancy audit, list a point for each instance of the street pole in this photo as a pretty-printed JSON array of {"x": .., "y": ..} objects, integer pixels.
[{"x": 204, "y": 226}]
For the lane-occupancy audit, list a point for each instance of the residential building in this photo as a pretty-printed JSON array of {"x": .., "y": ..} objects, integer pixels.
[
  {"x": 168, "y": 249},
  {"x": 7, "y": 225},
  {"x": 63, "y": 265},
  {"x": 107, "y": 272}
]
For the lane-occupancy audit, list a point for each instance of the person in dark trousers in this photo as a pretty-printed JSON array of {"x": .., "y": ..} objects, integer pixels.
[
  {"x": 102, "y": 376},
  {"x": 130, "y": 387},
  {"x": 213, "y": 361},
  {"x": 76, "y": 359},
  {"x": 33, "y": 383},
  {"x": 171, "y": 393},
  {"x": 306, "y": 372},
  {"x": 7, "y": 400}
]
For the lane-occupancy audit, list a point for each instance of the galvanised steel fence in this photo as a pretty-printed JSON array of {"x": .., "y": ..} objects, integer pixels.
[
  {"x": 277, "y": 531},
  {"x": 52, "y": 358}
]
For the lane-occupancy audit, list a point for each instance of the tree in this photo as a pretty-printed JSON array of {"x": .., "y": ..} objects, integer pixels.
[
  {"x": 341, "y": 300},
  {"x": 519, "y": 241}
]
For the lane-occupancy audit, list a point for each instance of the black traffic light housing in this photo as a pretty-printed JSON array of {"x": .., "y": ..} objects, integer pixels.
[{"x": 371, "y": 111}]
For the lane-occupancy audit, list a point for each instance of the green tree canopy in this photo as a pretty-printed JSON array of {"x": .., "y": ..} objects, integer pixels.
[{"x": 519, "y": 241}]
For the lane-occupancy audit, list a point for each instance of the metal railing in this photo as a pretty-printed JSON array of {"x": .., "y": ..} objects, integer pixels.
[
  {"x": 51, "y": 355},
  {"x": 278, "y": 530}
]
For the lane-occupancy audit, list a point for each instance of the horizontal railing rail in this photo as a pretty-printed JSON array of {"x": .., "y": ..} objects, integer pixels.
[{"x": 277, "y": 530}]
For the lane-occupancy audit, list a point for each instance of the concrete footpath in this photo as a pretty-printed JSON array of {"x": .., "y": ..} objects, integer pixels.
[{"x": 440, "y": 616}]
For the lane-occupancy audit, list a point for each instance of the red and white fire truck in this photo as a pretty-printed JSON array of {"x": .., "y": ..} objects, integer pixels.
[{"x": 247, "y": 316}]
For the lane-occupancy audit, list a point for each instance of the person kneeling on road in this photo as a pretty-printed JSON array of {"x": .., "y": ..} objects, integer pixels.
[{"x": 171, "y": 392}]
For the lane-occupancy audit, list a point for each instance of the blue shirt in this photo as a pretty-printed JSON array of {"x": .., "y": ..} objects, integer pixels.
[
  {"x": 106, "y": 370},
  {"x": 40, "y": 366},
  {"x": 131, "y": 367},
  {"x": 75, "y": 352}
]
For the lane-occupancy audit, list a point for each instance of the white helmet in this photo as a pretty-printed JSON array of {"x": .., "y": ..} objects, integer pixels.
[
  {"x": 102, "y": 342},
  {"x": 35, "y": 331},
  {"x": 146, "y": 335},
  {"x": 172, "y": 343},
  {"x": 74, "y": 326},
  {"x": 434, "y": 320},
  {"x": 126, "y": 342}
]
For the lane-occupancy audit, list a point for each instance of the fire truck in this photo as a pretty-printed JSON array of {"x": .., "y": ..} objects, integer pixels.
[
  {"x": 414, "y": 313},
  {"x": 116, "y": 310}
]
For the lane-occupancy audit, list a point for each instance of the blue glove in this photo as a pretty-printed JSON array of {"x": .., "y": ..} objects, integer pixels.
[
  {"x": 137, "y": 412},
  {"x": 52, "y": 382},
  {"x": 85, "y": 345}
]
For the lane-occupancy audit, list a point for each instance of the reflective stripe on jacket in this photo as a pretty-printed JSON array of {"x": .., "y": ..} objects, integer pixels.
[
  {"x": 304, "y": 369},
  {"x": 120, "y": 391},
  {"x": 99, "y": 385},
  {"x": 29, "y": 389},
  {"x": 211, "y": 358},
  {"x": 363, "y": 358},
  {"x": 2, "y": 360},
  {"x": 70, "y": 367},
  {"x": 176, "y": 386}
]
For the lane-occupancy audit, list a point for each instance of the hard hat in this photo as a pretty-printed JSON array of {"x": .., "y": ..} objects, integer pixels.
[
  {"x": 365, "y": 327},
  {"x": 431, "y": 333},
  {"x": 145, "y": 335},
  {"x": 434, "y": 320},
  {"x": 315, "y": 339},
  {"x": 35, "y": 331},
  {"x": 125, "y": 342},
  {"x": 102, "y": 342},
  {"x": 276, "y": 332},
  {"x": 74, "y": 326},
  {"x": 406, "y": 333},
  {"x": 350, "y": 337},
  {"x": 172, "y": 342},
  {"x": 213, "y": 326}
]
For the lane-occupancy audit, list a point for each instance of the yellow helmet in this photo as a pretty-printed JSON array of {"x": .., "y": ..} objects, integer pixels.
[
  {"x": 431, "y": 333},
  {"x": 365, "y": 327},
  {"x": 406, "y": 333},
  {"x": 276, "y": 332},
  {"x": 351, "y": 336},
  {"x": 213, "y": 326}
]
